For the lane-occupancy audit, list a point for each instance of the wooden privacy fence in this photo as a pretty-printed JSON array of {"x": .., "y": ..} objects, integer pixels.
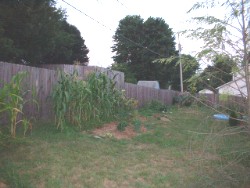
[
  {"x": 42, "y": 78},
  {"x": 83, "y": 71},
  {"x": 147, "y": 94},
  {"x": 38, "y": 79},
  {"x": 225, "y": 101}
]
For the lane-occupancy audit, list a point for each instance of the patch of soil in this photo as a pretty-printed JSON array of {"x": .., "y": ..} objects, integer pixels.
[
  {"x": 165, "y": 119},
  {"x": 109, "y": 184},
  {"x": 3, "y": 185},
  {"x": 110, "y": 130},
  {"x": 161, "y": 117}
]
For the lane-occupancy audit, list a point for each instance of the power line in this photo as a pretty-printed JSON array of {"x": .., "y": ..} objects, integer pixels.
[
  {"x": 122, "y": 4},
  {"x": 87, "y": 15},
  {"x": 98, "y": 22}
]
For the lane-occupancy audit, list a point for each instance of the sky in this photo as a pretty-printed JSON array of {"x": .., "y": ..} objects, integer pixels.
[{"x": 99, "y": 19}]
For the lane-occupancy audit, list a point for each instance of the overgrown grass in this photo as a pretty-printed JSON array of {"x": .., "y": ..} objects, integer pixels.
[{"x": 189, "y": 150}]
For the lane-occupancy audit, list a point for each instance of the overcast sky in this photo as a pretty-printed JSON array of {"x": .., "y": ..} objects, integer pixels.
[{"x": 98, "y": 36}]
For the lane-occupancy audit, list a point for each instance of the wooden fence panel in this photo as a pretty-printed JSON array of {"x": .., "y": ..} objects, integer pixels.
[
  {"x": 147, "y": 94},
  {"x": 224, "y": 101},
  {"x": 84, "y": 71},
  {"x": 233, "y": 102},
  {"x": 208, "y": 99},
  {"x": 39, "y": 80},
  {"x": 42, "y": 80}
]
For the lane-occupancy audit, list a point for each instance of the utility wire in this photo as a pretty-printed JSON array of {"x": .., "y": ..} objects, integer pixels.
[
  {"x": 122, "y": 4},
  {"x": 103, "y": 25},
  {"x": 98, "y": 22},
  {"x": 87, "y": 15}
]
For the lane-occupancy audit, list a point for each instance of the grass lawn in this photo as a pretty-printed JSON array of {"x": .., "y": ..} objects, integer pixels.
[{"x": 191, "y": 149}]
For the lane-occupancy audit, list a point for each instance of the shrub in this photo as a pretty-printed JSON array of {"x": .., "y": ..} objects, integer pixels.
[
  {"x": 184, "y": 99},
  {"x": 156, "y": 106},
  {"x": 202, "y": 100},
  {"x": 137, "y": 125},
  {"x": 122, "y": 125},
  {"x": 233, "y": 119}
]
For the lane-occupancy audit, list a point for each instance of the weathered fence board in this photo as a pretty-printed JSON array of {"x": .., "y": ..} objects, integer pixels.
[
  {"x": 39, "y": 80},
  {"x": 42, "y": 79},
  {"x": 224, "y": 101},
  {"x": 147, "y": 94},
  {"x": 83, "y": 71}
]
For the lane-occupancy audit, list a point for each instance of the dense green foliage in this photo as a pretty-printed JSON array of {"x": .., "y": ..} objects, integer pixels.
[
  {"x": 122, "y": 125},
  {"x": 183, "y": 99},
  {"x": 77, "y": 102},
  {"x": 138, "y": 43},
  {"x": 233, "y": 119},
  {"x": 35, "y": 31},
  {"x": 227, "y": 35},
  {"x": 156, "y": 106},
  {"x": 171, "y": 67},
  {"x": 217, "y": 74}
]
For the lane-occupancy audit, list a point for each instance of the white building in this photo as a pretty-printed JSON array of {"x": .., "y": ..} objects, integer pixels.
[
  {"x": 235, "y": 87},
  {"x": 153, "y": 84},
  {"x": 206, "y": 91}
]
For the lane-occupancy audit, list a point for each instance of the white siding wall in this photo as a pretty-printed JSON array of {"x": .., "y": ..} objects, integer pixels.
[
  {"x": 206, "y": 91},
  {"x": 237, "y": 88}
]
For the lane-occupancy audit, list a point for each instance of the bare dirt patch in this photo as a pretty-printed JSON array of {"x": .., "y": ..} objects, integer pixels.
[
  {"x": 110, "y": 130},
  {"x": 3, "y": 185},
  {"x": 109, "y": 184}
]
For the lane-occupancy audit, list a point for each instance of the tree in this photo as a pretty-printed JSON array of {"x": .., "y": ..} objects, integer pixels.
[
  {"x": 228, "y": 35},
  {"x": 172, "y": 71},
  {"x": 122, "y": 67},
  {"x": 69, "y": 46},
  {"x": 217, "y": 74},
  {"x": 32, "y": 31},
  {"x": 128, "y": 42},
  {"x": 137, "y": 44}
]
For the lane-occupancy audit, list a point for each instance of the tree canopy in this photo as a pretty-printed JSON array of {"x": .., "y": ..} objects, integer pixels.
[
  {"x": 172, "y": 70},
  {"x": 217, "y": 74},
  {"x": 137, "y": 43},
  {"x": 228, "y": 35},
  {"x": 35, "y": 31}
]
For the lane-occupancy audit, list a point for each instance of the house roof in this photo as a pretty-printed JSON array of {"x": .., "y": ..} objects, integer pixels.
[{"x": 228, "y": 83}]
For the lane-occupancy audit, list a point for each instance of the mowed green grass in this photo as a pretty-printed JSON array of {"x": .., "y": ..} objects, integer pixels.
[{"x": 190, "y": 150}]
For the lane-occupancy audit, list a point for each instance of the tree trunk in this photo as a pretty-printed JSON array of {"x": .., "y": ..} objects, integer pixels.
[{"x": 245, "y": 59}]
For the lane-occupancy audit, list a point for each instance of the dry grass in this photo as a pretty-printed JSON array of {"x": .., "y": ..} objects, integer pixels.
[{"x": 187, "y": 151}]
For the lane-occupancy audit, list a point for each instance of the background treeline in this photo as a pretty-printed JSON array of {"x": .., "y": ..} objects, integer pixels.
[
  {"x": 35, "y": 31},
  {"x": 146, "y": 50}
]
